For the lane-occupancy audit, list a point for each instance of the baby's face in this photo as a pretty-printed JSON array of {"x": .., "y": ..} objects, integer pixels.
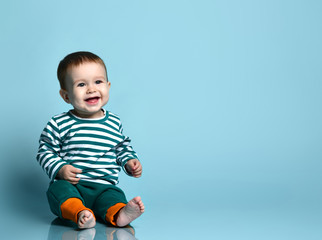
[{"x": 87, "y": 89}]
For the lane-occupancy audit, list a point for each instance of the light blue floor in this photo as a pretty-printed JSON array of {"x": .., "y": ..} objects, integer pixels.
[
  {"x": 267, "y": 212},
  {"x": 207, "y": 222}
]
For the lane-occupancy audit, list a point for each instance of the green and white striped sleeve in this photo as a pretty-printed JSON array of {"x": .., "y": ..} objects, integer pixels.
[
  {"x": 124, "y": 151},
  {"x": 49, "y": 150}
]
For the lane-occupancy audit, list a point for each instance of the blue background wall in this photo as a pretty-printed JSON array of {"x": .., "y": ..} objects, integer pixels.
[{"x": 221, "y": 98}]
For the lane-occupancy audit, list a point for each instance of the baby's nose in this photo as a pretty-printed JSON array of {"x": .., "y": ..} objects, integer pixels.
[{"x": 91, "y": 89}]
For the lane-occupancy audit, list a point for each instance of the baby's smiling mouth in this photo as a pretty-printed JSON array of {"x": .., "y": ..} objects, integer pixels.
[{"x": 92, "y": 100}]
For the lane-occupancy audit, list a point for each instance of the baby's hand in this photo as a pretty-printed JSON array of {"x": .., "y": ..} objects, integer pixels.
[
  {"x": 134, "y": 168},
  {"x": 68, "y": 173}
]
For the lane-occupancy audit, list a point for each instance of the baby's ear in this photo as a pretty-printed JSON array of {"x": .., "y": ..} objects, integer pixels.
[{"x": 64, "y": 94}]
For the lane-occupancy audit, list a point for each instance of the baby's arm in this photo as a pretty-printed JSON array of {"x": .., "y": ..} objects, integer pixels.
[{"x": 134, "y": 168}]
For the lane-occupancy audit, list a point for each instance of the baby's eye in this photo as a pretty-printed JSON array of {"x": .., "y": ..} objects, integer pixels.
[
  {"x": 98, "y": 81},
  {"x": 81, "y": 85}
]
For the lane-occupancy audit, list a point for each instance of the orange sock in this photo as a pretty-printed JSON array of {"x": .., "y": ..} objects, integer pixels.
[
  {"x": 112, "y": 211},
  {"x": 71, "y": 207}
]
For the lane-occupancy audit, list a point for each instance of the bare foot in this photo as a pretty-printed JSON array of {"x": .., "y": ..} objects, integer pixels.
[
  {"x": 86, "y": 219},
  {"x": 132, "y": 210}
]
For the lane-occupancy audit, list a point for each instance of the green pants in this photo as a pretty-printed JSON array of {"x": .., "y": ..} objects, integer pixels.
[{"x": 97, "y": 197}]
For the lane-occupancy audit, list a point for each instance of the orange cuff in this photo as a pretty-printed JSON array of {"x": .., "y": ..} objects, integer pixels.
[
  {"x": 71, "y": 207},
  {"x": 112, "y": 211}
]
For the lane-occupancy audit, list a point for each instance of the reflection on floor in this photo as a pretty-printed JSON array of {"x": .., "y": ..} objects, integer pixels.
[{"x": 63, "y": 230}]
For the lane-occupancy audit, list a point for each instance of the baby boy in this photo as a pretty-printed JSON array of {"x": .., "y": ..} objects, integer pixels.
[{"x": 83, "y": 150}]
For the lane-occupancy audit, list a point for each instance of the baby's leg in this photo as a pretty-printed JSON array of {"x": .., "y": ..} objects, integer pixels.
[
  {"x": 132, "y": 210},
  {"x": 113, "y": 207},
  {"x": 74, "y": 210}
]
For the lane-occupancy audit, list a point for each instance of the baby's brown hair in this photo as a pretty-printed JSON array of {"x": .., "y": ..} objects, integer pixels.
[{"x": 73, "y": 60}]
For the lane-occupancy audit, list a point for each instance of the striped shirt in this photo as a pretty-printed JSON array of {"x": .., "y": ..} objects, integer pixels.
[{"x": 96, "y": 146}]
